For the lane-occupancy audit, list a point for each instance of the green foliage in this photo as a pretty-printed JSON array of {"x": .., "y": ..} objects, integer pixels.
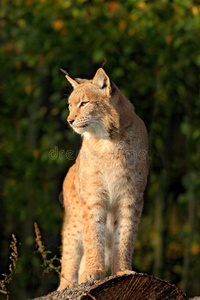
[{"x": 152, "y": 52}]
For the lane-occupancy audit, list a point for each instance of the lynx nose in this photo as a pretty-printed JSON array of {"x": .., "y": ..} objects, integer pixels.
[{"x": 70, "y": 121}]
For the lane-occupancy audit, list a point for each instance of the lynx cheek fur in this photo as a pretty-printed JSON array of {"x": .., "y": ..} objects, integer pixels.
[{"x": 103, "y": 190}]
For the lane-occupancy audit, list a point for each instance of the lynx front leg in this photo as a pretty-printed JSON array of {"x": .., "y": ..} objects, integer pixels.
[
  {"x": 94, "y": 229},
  {"x": 71, "y": 252},
  {"x": 126, "y": 227}
]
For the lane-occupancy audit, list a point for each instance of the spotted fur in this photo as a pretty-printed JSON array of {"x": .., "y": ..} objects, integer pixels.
[{"x": 103, "y": 190}]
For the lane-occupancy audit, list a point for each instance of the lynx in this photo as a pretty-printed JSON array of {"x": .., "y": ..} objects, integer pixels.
[{"x": 103, "y": 190}]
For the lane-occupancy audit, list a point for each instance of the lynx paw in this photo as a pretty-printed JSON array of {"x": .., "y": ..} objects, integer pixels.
[
  {"x": 64, "y": 283},
  {"x": 62, "y": 286},
  {"x": 91, "y": 275},
  {"x": 125, "y": 272}
]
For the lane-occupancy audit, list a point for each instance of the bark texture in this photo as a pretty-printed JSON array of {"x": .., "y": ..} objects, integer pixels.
[{"x": 126, "y": 287}]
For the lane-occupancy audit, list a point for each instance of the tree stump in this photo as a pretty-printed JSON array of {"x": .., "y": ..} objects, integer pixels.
[{"x": 125, "y": 287}]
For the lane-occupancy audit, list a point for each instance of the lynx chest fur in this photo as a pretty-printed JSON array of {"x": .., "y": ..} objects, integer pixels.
[{"x": 103, "y": 190}]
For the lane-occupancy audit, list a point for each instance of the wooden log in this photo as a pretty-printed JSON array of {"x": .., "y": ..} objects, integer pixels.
[{"x": 125, "y": 287}]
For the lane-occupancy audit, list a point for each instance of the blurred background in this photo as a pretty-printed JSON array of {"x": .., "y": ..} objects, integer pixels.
[{"x": 153, "y": 55}]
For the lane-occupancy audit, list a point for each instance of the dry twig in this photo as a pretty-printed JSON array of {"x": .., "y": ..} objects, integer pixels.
[{"x": 12, "y": 267}]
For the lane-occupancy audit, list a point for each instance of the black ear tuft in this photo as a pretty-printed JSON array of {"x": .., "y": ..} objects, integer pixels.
[
  {"x": 104, "y": 62},
  {"x": 65, "y": 72}
]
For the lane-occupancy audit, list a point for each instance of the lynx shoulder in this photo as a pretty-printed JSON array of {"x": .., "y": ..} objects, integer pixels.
[{"x": 103, "y": 190}]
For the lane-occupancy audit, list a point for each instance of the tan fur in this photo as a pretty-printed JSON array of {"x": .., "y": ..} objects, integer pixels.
[{"x": 103, "y": 190}]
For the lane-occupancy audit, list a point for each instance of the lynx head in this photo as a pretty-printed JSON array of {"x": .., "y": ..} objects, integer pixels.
[{"x": 91, "y": 112}]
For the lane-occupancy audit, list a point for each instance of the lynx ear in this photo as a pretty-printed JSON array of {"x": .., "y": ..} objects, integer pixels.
[
  {"x": 102, "y": 80},
  {"x": 72, "y": 81}
]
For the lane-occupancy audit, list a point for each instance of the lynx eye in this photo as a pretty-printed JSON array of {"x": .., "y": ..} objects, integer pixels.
[{"x": 83, "y": 104}]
